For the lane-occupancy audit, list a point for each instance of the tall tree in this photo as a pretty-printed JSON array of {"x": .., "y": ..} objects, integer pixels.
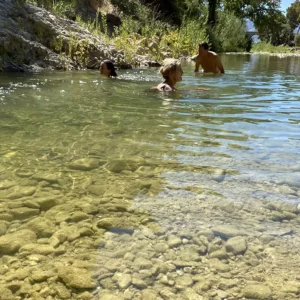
[
  {"x": 272, "y": 28},
  {"x": 252, "y": 9},
  {"x": 293, "y": 14},
  {"x": 266, "y": 16}
]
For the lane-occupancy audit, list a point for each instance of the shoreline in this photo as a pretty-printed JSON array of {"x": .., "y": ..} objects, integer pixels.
[{"x": 280, "y": 54}]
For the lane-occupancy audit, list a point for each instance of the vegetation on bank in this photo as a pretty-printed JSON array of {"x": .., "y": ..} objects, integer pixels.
[
  {"x": 264, "y": 47},
  {"x": 152, "y": 29}
]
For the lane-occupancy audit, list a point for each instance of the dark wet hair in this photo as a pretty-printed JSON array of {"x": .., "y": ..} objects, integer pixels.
[
  {"x": 204, "y": 45},
  {"x": 110, "y": 66}
]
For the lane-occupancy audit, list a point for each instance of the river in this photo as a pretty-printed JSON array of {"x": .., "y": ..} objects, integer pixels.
[{"x": 111, "y": 190}]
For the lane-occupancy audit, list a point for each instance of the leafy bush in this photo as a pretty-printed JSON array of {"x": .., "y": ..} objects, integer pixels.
[
  {"x": 158, "y": 39},
  {"x": 145, "y": 30},
  {"x": 58, "y": 7},
  {"x": 126, "y": 38},
  {"x": 48, "y": 4},
  {"x": 185, "y": 40},
  {"x": 61, "y": 8},
  {"x": 229, "y": 34},
  {"x": 129, "y": 7}
]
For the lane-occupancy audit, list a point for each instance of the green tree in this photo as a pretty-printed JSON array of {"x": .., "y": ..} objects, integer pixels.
[
  {"x": 293, "y": 14},
  {"x": 266, "y": 15},
  {"x": 228, "y": 34},
  {"x": 272, "y": 28},
  {"x": 252, "y": 9},
  {"x": 195, "y": 9}
]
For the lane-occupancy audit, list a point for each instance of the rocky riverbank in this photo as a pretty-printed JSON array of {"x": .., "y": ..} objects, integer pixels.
[{"x": 32, "y": 38}]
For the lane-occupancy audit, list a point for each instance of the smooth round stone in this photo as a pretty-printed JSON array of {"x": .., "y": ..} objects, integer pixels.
[
  {"x": 76, "y": 277},
  {"x": 184, "y": 281},
  {"x": 161, "y": 247},
  {"x": 139, "y": 283},
  {"x": 258, "y": 291},
  {"x": 236, "y": 245},
  {"x": 124, "y": 281},
  {"x": 84, "y": 164},
  {"x": 173, "y": 241}
]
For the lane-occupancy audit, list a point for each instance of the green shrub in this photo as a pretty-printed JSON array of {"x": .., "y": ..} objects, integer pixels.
[
  {"x": 61, "y": 8},
  {"x": 185, "y": 40},
  {"x": 143, "y": 30},
  {"x": 158, "y": 39},
  {"x": 129, "y": 7},
  {"x": 229, "y": 34}
]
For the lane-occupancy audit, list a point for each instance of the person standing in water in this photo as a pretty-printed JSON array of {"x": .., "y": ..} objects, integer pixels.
[
  {"x": 172, "y": 73},
  {"x": 107, "y": 68},
  {"x": 208, "y": 60}
]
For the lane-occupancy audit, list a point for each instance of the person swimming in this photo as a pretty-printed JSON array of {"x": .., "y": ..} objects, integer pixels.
[
  {"x": 172, "y": 73},
  {"x": 107, "y": 68}
]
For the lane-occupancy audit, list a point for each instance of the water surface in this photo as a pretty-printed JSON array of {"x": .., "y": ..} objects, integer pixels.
[{"x": 147, "y": 195}]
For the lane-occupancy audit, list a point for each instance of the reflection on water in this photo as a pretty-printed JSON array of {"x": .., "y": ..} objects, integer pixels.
[{"x": 110, "y": 190}]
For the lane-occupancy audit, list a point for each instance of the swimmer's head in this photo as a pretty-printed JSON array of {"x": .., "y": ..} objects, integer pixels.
[
  {"x": 171, "y": 70},
  {"x": 203, "y": 45},
  {"x": 107, "y": 68}
]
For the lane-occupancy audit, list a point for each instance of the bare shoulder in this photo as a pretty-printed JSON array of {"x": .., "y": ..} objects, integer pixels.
[
  {"x": 212, "y": 53},
  {"x": 163, "y": 87}
]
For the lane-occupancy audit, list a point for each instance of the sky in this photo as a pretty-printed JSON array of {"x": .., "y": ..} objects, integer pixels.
[{"x": 285, "y": 4}]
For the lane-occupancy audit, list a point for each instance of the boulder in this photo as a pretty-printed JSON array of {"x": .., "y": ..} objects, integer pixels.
[
  {"x": 10, "y": 243},
  {"x": 33, "y": 38}
]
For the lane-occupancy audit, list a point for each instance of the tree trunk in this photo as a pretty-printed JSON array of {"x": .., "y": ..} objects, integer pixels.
[{"x": 212, "y": 6}]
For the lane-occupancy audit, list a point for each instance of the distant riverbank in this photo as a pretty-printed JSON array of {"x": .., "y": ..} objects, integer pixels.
[{"x": 265, "y": 53}]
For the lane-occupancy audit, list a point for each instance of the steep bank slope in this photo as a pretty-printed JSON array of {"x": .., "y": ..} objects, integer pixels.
[{"x": 32, "y": 38}]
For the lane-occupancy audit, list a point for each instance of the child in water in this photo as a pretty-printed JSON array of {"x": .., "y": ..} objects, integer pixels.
[
  {"x": 107, "y": 69},
  {"x": 172, "y": 73}
]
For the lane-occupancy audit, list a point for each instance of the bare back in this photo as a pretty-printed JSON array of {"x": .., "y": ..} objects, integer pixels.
[{"x": 209, "y": 63}]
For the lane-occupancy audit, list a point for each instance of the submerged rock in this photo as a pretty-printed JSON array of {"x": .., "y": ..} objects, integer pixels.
[
  {"x": 52, "y": 178},
  {"x": 24, "y": 213},
  {"x": 37, "y": 249},
  {"x": 236, "y": 245},
  {"x": 21, "y": 191},
  {"x": 118, "y": 165},
  {"x": 84, "y": 164},
  {"x": 12, "y": 242},
  {"x": 6, "y": 184},
  {"x": 41, "y": 226},
  {"x": 3, "y": 227},
  {"x": 258, "y": 291},
  {"x": 6, "y": 294},
  {"x": 226, "y": 231},
  {"x": 76, "y": 277},
  {"x": 109, "y": 296},
  {"x": 124, "y": 281}
]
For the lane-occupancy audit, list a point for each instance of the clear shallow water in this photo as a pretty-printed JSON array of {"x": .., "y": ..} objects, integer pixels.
[{"x": 118, "y": 166}]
